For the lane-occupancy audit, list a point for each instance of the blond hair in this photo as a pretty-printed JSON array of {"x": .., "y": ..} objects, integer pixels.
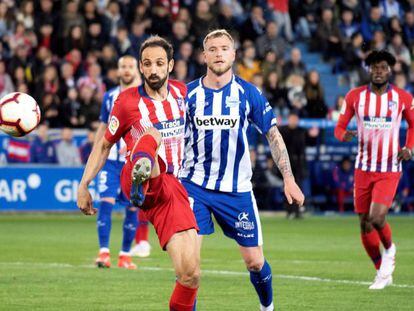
[{"x": 217, "y": 34}]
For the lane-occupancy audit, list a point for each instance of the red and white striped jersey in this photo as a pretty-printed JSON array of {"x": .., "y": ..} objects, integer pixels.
[
  {"x": 134, "y": 112},
  {"x": 378, "y": 119}
]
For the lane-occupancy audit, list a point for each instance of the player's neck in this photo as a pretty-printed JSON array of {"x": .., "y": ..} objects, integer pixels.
[
  {"x": 160, "y": 94},
  {"x": 215, "y": 82},
  {"x": 379, "y": 89}
]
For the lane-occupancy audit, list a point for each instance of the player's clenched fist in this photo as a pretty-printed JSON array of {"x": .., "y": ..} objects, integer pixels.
[{"x": 85, "y": 201}]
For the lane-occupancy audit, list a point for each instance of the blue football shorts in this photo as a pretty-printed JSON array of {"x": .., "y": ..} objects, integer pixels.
[
  {"x": 109, "y": 183},
  {"x": 235, "y": 212}
]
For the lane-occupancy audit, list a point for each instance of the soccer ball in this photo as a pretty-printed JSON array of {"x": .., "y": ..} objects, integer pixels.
[{"x": 19, "y": 114}]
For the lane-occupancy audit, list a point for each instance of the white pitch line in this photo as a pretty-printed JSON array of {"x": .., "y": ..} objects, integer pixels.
[{"x": 214, "y": 272}]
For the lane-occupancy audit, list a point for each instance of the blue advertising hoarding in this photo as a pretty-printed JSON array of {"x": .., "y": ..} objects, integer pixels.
[{"x": 40, "y": 188}]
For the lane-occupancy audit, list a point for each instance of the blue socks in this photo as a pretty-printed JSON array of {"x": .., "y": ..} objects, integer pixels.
[
  {"x": 262, "y": 282},
  {"x": 129, "y": 227},
  {"x": 103, "y": 223}
]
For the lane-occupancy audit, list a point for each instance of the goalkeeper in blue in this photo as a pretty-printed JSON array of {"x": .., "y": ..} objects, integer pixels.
[{"x": 217, "y": 169}]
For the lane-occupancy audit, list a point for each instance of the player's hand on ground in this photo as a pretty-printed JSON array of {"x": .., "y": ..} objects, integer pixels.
[
  {"x": 349, "y": 135},
  {"x": 405, "y": 154},
  {"x": 85, "y": 201},
  {"x": 293, "y": 193}
]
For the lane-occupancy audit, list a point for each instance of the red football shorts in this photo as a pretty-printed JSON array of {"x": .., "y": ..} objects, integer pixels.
[
  {"x": 169, "y": 209},
  {"x": 374, "y": 187}
]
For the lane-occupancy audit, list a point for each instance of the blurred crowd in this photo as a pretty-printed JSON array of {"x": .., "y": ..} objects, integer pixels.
[{"x": 65, "y": 53}]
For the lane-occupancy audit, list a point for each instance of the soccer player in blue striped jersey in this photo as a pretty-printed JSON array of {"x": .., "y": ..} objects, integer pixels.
[
  {"x": 217, "y": 169},
  {"x": 109, "y": 177}
]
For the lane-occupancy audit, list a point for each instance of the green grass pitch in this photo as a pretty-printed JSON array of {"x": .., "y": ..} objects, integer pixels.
[{"x": 46, "y": 263}]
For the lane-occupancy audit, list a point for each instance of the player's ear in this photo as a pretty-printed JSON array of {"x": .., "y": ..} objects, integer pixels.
[
  {"x": 140, "y": 68},
  {"x": 170, "y": 65}
]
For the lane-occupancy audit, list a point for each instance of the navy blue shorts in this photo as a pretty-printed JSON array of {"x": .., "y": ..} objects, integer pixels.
[
  {"x": 235, "y": 212},
  {"x": 109, "y": 183}
]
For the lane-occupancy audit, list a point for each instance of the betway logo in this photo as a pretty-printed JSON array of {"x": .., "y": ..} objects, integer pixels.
[{"x": 216, "y": 122}]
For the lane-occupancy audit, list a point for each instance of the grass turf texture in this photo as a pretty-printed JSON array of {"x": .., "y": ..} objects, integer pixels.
[{"x": 46, "y": 263}]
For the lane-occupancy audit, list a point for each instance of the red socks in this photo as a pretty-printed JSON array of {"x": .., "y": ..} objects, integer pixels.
[
  {"x": 371, "y": 242},
  {"x": 142, "y": 231},
  {"x": 385, "y": 236},
  {"x": 182, "y": 298},
  {"x": 146, "y": 147}
]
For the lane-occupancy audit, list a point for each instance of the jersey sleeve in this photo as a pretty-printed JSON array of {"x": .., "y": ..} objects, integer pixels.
[
  {"x": 408, "y": 114},
  {"x": 119, "y": 121},
  {"x": 104, "y": 115},
  {"x": 347, "y": 112},
  {"x": 261, "y": 114}
]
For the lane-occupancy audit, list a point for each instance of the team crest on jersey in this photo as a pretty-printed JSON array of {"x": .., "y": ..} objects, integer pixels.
[
  {"x": 392, "y": 105},
  {"x": 113, "y": 125},
  {"x": 180, "y": 102},
  {"x": 232, "y": 102}
]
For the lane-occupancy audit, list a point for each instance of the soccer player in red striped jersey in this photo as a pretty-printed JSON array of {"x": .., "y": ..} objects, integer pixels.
[
  {"x": 378, "y": 108},
  {"x": 150, "y": 119}
]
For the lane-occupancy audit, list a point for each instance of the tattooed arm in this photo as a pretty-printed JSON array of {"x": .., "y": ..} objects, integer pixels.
[
  {"x": 279, "y": 152},
  {"x": 281, "y": 158}
]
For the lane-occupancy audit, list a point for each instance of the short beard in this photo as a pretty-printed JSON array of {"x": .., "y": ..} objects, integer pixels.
[
  {"x": 156, "y": 85},
  {"x": 219, "y": 72},
  {"x": 127, "y": 82}
]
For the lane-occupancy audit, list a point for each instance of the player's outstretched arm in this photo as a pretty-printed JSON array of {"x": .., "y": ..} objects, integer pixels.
[
  {"x": 95, "y": 163},
  {"x": 281, "y": 158}
]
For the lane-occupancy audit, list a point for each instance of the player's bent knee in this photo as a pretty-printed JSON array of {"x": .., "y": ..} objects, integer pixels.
[
  {"x": 190, "y": 277},
  {"x": 254, "y": 264},
  {"x": 108, "y": 199}
]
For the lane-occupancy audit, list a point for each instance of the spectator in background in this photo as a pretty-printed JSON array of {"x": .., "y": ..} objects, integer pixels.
[
  {"x": 294, "y": 65},
  {"x": 379, "y": 40},
  {"x": 94, "y": 37},
  {"x": 348, "y": 26},
  {"x": 390, "y": 8},
  {"x": 75, "y": 40},
  {"x": 93, "y": 80},
  {"x": 372, "y": 23},
  {"x": 248, "y": 66},
  {"x": 180, "y": 72},
  {"x": 42, "y": 150},
  {"x": 86, "y": 146},
  {"x": 400, "y": 80},
  {"x": 254, "y": 26},
  {"x": 121, "y": 42},
  {"x": 316, "y": 107},
  {"x": 343, "y": 176},
  {"x": 281, "y": 16},
  {"x": 179, "y": 34},
  {"x": 296, "y": 96},
  {"x": 408, "y": 28},
  {"x": 113, "y": 17},
  {"x": 48, "y": 83},
  {"x": 160, "y": 20},
  {"x": 70, "y": 18},
  {"x": 329, "y": 36},
  {"x": 69, "y": 110},
  {"x": 271, "y": 62},
  {"x": 227, "y": 19},
  {"x": 90, "y": 107},
  {"x": 66, "y": 151},
  {"x": 353, "y": 57},
  {"x": 400, "y": 51},
  {"x": 137, "y": 36},
  {"x": 276, "y": 94},
  {"x": 49, "y": 104},
  {"x": 394, "y": 27},
  {"x": 308, "y": 18},
  {"x": 204, "y": 20},
  {"x": 6, "y": 83},
  {"x": 295, "y": 140},
  {"x": 336, "y": 111},
  {"x": 6, "y": 20},
  {"x": 270, "y": 41}
]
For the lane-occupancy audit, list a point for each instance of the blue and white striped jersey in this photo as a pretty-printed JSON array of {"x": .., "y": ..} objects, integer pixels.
[
  {"x": 106, "y": 108},
  {"x": 216, "y": 154}
]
